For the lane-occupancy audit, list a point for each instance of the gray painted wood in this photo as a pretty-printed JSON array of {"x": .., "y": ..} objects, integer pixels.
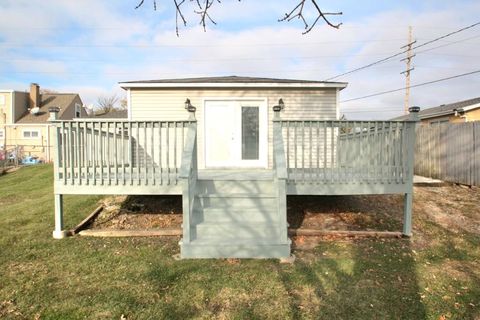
[{"x": 235, "y": 213}]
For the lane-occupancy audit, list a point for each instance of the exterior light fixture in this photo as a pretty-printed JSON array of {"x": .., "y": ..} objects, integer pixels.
[
  {"x": 280, "y": 106},
  {"x": 189, "y": 107}
]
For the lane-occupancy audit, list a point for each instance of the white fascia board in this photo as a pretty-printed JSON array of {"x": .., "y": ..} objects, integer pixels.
[
  {"x": 125, "y": 85},
  {"x": 438, "y": 114},
  {"x": 471, "y": 107},
  {"x": 7, "y": 91}
]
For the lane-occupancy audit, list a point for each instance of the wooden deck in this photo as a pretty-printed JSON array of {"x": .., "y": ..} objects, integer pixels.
[{"x": 234, "y": 212}]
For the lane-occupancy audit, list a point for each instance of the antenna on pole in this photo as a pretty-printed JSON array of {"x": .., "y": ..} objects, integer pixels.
[{"x": 409, "y": 68}]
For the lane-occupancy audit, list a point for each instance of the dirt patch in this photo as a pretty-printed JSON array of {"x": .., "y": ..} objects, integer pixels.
[
  {"x": 454, "y": 207},
  {"x": 140, "y": 212}
]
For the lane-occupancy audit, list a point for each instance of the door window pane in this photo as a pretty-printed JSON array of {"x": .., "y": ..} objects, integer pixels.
[{"x": 250, "y": 133}]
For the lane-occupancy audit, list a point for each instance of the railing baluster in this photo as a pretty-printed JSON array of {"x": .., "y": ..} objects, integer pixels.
[
  {"x": 72, "y": 155},
  {"x": 86, "y": 150},
  {"x": 107, "y": 154},
  {"x": 332, "y": 151},
  {"x": 303, "y": 151},
  {"x": 145, "y": 148},
  {"x": 288, "y": 147},
  {"x": 311, "y": 150},
  {"x": 137, "y": 150},
  {"x": 167, "y": 136},
  {"x": 175, "y": 150},
  {"x": 130, "y": 151},
  {"x": 64, "y": 151},
  {"x": 123, "y": 152},
  {"x": 318, "y": 151},
  {"x": 115, "y": 151},
  {"x": 152, "y": 151},
  {"x": 324, "y": 151},
  {"x": 296, "y": 146},
  {"x": 390, "y": 152},
  {"x": 79, "y": 152},
  {"x": 160, "y": 150}
]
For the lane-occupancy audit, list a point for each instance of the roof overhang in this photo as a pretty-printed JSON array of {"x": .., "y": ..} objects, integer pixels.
[{"x": 270, "y": 85}]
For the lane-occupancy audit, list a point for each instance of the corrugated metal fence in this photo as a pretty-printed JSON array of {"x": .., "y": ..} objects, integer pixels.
[{"x": 449, "y": 151}]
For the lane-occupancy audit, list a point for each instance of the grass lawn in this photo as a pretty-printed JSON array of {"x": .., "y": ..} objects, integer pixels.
[{"x": 436, "y": 275}]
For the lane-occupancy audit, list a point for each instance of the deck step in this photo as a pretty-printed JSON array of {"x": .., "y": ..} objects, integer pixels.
[
  {"x": 199, "y": 249},
  {"x": 237, "y": 200},
  {"x": 235, "y": 215},
  {"x": 234, "y": 230},
  {"x": 235, "y": 186}
]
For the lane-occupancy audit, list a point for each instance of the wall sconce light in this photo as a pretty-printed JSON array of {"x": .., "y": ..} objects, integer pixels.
[
  {"x": 280, "y": 106},
  {"x": 189, "y": 107}
]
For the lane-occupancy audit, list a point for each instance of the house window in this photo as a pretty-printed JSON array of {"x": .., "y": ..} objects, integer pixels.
[
  {"x": 31, "y": 134},
  {"x": 78, "y": 110}
]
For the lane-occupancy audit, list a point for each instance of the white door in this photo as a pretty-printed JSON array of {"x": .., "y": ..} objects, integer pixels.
[{"x": 236, "y": 133}]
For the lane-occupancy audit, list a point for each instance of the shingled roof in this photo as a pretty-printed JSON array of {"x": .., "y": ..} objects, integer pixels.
[
  {"x": 232, "y": 80},
  {"x": 114, "y": 114},
  {"x": 61, "y": 100},
  {"x": 444, "y": 109}
]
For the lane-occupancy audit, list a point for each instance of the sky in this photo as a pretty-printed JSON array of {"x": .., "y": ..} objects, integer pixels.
[{"x": 89, "y": 46}]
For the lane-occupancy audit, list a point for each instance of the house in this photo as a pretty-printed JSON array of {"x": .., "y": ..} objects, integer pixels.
[
  {"x": 24, "y": 129},
  {"x": 234, "y": 148},
  {"x": 456, "y": 112}
]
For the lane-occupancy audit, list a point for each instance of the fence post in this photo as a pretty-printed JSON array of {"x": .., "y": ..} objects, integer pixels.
[{"x": 408, "y": 197}]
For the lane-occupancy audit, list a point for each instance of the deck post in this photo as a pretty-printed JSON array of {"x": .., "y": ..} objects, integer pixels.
[
  {"x": 188, "y": 178},
  {"x": 59, "y": 233},
  {"x": 281, "y": 173},
  {"x": 408, "y": 197}
]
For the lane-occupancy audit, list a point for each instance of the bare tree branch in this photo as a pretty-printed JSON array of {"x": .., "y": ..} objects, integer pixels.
[
  {"x": 106, "y": 104},
  {"x": 203, "y": 10},
  {"x": 297, "y": 12}
]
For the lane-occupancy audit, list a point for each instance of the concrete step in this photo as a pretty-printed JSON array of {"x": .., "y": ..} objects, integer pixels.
[
  {"x": 235, "y": 215},
  {"x": 236, "y": 186},
  {"x": 201, "y": 249},
  {"x": 234, "y": 230},
  {"x": 238, "y": 201}
]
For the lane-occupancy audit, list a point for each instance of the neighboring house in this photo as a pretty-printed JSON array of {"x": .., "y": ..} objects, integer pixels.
[
  {"x": 24, "y": 126},
  {"x": 457, "y": 112},
  {"x": 234, "y": 148}
]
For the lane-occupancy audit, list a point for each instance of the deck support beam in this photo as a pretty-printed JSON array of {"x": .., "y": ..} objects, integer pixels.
[
  {"x": 59, "y": 233},
  {"x": 407, "y": 214}
]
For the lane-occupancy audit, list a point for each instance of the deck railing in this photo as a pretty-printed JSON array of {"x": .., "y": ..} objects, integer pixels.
[
  {"x": 119, "y": 152},
  {"x": 347, "y": 151}
]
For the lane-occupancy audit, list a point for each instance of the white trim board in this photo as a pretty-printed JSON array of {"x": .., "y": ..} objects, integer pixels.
[{"x": 126, "y": 85}]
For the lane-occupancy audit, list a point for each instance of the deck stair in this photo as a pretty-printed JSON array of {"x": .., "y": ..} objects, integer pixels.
[{"x": 236, "y": 215}]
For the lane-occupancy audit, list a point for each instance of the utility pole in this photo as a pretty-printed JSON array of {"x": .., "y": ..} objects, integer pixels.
[{"x": 409, "y": 68}]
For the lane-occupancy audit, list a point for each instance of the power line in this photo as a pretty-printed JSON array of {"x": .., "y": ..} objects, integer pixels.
[
  {"x": 414, "y": 86},
  {"x": 404, "y": 51}
]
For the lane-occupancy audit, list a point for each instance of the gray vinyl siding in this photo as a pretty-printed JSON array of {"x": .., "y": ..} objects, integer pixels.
[{"x": 168, "y": 105}]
